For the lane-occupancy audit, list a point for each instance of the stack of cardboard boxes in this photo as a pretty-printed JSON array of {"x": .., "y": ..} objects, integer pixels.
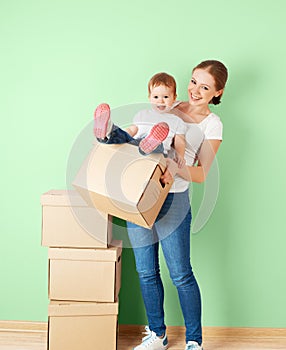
[
  {"x": 84, "y": 262},
  {"x": 84, "y": 273}
]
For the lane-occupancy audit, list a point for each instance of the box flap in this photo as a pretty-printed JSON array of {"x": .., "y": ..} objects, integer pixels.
[
  {"x": 110, "y": 254},
  {"x": 153, "y": 196},
  {"x": 62, "y": 198},
  {"x": 62, "y": 308}
]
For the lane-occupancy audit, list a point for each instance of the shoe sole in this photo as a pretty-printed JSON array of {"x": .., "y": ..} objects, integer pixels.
[
  {"x": 101, "y": 119},
  {"x": 157, "y": 135},
  {"x": 165, "y": 348}
]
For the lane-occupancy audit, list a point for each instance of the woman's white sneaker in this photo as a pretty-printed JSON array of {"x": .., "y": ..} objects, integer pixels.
[
  {"x": 193, "y": 345},
  {"x": 152, "y": 342}
]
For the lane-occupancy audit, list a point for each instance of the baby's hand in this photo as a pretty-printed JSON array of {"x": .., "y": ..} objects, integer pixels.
[{"x": 180, "y": 161}]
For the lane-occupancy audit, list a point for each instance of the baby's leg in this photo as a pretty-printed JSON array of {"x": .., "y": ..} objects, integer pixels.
[
  {"x": 119, "y": 136},
  {"x": 106, "y": 132},
  {"x": 151, "y": 143}
]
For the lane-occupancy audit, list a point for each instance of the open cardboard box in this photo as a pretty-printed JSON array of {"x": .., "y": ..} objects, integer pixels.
[
  {"x": 68, "y": 221},
  {"x": 120, "y": 181},
  {"x": 92, "y": 275},
  {"x": 82, "y": 326}
]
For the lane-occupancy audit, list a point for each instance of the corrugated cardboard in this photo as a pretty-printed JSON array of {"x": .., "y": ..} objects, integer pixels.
[
  {"x": 82, "y": 326},
  {"x": 118, "y": 180},
  {"x": 85, "y": 274},
  {"x": 67, "y": 221}
]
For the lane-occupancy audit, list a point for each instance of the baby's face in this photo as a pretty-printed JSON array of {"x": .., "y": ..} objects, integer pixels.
[{"x": 162, "y": 98}]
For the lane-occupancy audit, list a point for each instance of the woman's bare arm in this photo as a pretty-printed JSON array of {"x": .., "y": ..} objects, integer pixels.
[{"x": 196, "y": 173}]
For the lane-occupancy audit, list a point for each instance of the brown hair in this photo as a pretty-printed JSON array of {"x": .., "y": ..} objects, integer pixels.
[
  {"x": 162, "y": 79},
  {"x": 219, "y": 72}
]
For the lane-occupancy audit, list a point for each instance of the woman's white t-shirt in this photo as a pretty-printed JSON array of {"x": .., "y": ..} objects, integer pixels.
[
  {"x": 147, "y": 118},
  {"x": 208, "y": 129}
]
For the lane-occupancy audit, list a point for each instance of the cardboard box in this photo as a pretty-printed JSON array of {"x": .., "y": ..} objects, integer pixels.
[
  {"x": 67, "y": 221},
  {"x": 82, "y": 326},
  {"x": 85, "y": 274},
  {"x": 118, "y": 180}
]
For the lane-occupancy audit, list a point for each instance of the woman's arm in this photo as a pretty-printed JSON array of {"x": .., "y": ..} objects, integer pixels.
[
  {"x": 180, "y": 147},
  {"x": 196, "y": 173}
]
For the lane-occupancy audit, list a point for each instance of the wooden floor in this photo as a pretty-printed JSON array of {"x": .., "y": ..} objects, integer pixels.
[{"x": 33, "y": 336}]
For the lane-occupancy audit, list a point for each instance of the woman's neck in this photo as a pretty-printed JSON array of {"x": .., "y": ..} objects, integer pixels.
[{"x": 196, "y": 114}]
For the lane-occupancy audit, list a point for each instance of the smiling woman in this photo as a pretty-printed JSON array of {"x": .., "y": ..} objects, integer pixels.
[
  {"x": 210, "y": 76},
  {"x": 202, "y": 87},
  {"x": 172, "y": 227},
  {"x": 206, "y": 87}
]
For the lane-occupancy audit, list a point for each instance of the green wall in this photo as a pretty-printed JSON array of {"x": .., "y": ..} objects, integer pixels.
[{"x": 59, "y": 59}]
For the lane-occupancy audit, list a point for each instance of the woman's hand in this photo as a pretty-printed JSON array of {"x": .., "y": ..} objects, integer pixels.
[{"x": 170, "y": 172}]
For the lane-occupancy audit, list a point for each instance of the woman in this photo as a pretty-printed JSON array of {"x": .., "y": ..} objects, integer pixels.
[{"x": 172, "y": 227}]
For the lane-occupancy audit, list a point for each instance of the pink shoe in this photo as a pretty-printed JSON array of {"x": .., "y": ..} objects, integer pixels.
[
  {"x": 157, "y": 135},
  {"x": 101, "y": 120}
]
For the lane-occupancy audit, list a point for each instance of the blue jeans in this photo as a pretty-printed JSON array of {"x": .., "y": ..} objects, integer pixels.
[
  {"x": 119, "y": 136},
  {"x": 172, "y": 230}
]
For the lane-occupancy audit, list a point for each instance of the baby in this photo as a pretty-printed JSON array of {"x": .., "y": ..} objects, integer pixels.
[{"x": 153, "y": 130}]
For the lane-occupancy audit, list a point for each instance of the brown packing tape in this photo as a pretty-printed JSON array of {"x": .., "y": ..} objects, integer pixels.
[
  {"x": 62, "y": 308},
  {"x": 108, "y": 254},
  {"x": 63, "y": 198}
]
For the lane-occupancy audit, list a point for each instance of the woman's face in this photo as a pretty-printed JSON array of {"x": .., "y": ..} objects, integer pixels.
[{"x": 202, "y": 88}]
